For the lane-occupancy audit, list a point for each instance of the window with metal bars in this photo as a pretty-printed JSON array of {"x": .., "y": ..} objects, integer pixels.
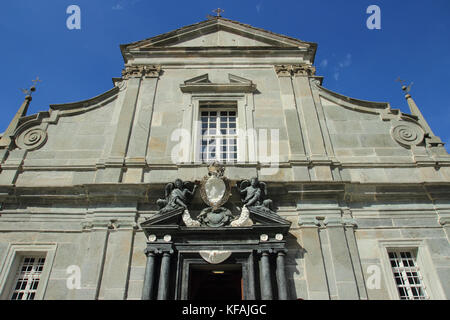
[
  {"x": 27, "y": 278},
  {"x": 218, "y": 134},
  {"x": 407, "y": 275}
]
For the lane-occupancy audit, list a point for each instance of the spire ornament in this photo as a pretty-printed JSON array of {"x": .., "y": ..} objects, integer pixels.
[
  {"x": 8, "y": 135},
  {"x": 431, "y": 139},
  {"x": 218, "y": 12}
]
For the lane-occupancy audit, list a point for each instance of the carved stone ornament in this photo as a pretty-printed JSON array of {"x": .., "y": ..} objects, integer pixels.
[
  {"x": 215, "y": 188},
  {"x": 295, "y": 70},
  {"x": 215, "y": 256},
  {"x": 31, "y": 139},
  {"x": 215, "y": 218},
  {"x": 407, "y": 134},
  {"x": 188, "y": 221},
  {"x": 147, "y": 71},
  {"x": 283, "y": 70},
  {"x": 254, "y": 195},
  {"x": 303, "y": 70},
  {"x": 243, "y": 220},
  {"x": 177, "y": 195}
]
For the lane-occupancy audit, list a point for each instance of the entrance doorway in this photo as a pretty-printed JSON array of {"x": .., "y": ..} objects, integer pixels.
[{"x": 215, "y": 282}]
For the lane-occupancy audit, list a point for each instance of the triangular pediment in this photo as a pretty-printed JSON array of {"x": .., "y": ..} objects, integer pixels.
[
  {"x": 202, "y": 83},
  {"x": 262, "y": 217},
  {"x": 204, "y": 78},
  {"x": 218, "y": 32},
  {"x": 223, "y": 38},
  {"x": 173, "y": 219},
  {"x": 237, "y": 79}
]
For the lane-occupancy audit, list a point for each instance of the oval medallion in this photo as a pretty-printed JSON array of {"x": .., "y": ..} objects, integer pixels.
[{"x": 215, "y": 189}]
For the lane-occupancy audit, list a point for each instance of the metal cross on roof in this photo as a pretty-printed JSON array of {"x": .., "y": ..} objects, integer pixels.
[
  {"x": 32, "y": 88},
  {"x": 218, "y": 11},
  {"x": 404, "y": 87}
]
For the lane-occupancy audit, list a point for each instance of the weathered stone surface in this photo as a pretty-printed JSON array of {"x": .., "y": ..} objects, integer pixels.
[{"x": 350, "y": 175}]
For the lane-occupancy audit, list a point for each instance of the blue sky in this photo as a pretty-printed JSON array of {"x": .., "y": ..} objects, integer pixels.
[{"x": 413, "y": 43}]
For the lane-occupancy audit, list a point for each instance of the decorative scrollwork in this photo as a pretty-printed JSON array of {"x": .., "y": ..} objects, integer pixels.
[
  {"x": 243, "y": 220},
  {"x": 407, "y": 134},
  {"x": 31, "y": 139},
  {"x": 188, "y": 221}
]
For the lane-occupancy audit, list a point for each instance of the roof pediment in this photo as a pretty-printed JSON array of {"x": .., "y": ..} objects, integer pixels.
[{"x": 218, "y": 32}]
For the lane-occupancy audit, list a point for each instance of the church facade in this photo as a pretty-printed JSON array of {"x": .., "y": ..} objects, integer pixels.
[{"x": 218, "y": 166}]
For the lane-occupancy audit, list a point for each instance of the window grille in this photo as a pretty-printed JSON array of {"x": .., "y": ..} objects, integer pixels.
[
  {"x": 218, "y": 134},
  {"x": 407, "y": 275},
  {"x": 27, "y": 278}
]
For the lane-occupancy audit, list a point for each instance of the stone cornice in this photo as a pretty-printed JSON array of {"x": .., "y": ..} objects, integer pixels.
[
  {"x": 218, "y": 87},
  {"x": 304, "y": 192}
]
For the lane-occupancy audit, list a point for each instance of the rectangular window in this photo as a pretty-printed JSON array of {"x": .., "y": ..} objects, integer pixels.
[
  {"x": 218, "y": 132},
  {"x": 407, "y": 275},
  {"x": 27, "y": 278}
]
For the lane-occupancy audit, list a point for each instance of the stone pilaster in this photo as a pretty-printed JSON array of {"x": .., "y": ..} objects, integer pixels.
[
  {"x": 311, "y": 129},
  {"x": 117, "y": 260},
  {"x": 137, "y": 150},
  {"x": 92, "y": 257},
  {"x": 113, "y": 167},
  {"x": 296, "y": 143},
  {"x": 314, "y": 265},
  {"x": 347, "y": 288},
  {"x": 350, "y": 225}
]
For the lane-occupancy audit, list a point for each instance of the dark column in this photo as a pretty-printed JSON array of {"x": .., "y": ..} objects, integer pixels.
[
  {"x": 251, "y": 278},
  {"x": 281, "y": 276},
  {"x": 266, "y": 282},
  {"x": 163, "y": 288},
  {"x": 147, "y": 290}
]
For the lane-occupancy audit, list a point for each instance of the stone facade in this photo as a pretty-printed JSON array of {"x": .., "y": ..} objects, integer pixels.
[{"x": 354, "y": 178}]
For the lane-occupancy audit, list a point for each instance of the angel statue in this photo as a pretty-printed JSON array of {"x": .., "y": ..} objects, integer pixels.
[
  {"x": 177, "y": 195},
  {"x": 253, "y": 194}
]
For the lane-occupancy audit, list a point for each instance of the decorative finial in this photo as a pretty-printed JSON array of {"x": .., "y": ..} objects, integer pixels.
[
  {"x": 28, "y": 92},
  {"x": 7, "y": 139},
  {"x": 218, "y": 11},
  {"x": 404, "y": 87}
]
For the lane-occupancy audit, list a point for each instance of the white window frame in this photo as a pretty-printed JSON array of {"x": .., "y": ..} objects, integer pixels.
[
  {"x": 219, "y": 107},
  {"x": 402, "y": 271},
  {"x": 191, "y": 123},
  {"x": 424, "y": 262},
  {"x": 29, "y": 277},
  {"x": 11, "y": 264}
]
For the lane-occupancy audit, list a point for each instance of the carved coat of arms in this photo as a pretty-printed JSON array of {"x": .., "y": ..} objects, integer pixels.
[{"x": 215, "y": 190}]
